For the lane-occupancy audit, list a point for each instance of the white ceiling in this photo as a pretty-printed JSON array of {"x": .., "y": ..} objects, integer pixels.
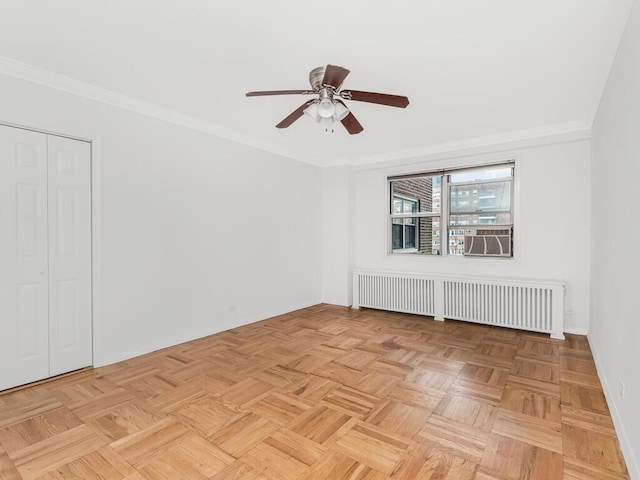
[{"x": 471, "y": 68}]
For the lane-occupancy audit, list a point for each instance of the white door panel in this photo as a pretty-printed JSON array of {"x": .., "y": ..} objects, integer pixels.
[
  {"x": 69, "y": 255},
  {"x": 24, "y": 331},
  {"x": 45, "y": 256}
]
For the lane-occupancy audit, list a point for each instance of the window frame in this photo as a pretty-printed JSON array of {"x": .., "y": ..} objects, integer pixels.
[
  {"x": 418, "y": 215},
  {"x": 444, "y": 200},
  {"x": 404, "y": 216}
]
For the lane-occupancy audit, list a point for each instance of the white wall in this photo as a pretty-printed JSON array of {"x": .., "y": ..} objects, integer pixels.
[
  {"x": 337, "y": 233},
  {"x": 615, "y": 310},
  {"x": 551, "y": 209},
  {"x": 199, "y": 234}
]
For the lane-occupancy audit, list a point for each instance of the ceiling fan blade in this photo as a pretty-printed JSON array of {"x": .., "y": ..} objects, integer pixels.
[
  {"x": 278, "y": 92},
  {"x": 351, "y": 123},
  {"x": 334, "y": 76},
  {"x": 295, "y": 115},
  {"x": 379, "y": 98}
]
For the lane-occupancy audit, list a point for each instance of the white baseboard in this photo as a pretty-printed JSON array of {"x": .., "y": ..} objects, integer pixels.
[
  {"x": 110, "y": 358},
  {"x": 630, "y": 458},
  {"x": 576, "y": 331}
]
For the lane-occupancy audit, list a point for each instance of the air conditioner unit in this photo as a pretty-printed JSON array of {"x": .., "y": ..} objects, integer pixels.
[{"x": 488, "y": 242}]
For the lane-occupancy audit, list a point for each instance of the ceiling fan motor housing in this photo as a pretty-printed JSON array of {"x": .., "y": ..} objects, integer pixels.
[{"x": 315, "y": 78}]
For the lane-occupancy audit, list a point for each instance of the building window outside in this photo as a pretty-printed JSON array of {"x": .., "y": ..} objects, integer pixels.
[
  {"x": 425, "y": 207},
  {"x": 404, "y": 231},
  {"x": 414, "y": 215}
]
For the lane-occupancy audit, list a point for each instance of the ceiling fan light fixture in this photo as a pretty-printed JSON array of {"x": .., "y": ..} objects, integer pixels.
[
  {"x": 312, "y": 111},
  {"x": 340, "y": 111},
  {"x": 326, "y": 108}
]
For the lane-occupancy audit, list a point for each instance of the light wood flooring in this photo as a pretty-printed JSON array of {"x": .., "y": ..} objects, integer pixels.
[{"x": 324, "y": 393}]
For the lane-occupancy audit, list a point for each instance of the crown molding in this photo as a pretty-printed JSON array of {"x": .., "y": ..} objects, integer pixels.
[
  {"x": 70, "y": 85},
  {"x": 534, "y": 137},
  {"x": 546, "y": 135}
]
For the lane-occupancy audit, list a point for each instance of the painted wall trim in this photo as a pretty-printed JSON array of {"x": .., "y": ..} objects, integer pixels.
[
  {"x": 633, "y": 465},
  {"x": 46, "y": 132},
  {"x": 53, "y": 80},
  {"x": 576, "y": 331},
  {"x": 190, "y": 336},
  {"x": 506, "y": 142},
  {"x": 96, "y": 253},
  {"x": 558, "y": 133}
]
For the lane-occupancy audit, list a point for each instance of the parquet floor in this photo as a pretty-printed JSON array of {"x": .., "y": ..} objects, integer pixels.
[{"x": 324, "y": 393}]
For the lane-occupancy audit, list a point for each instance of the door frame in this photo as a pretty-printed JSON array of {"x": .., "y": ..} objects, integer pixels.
[{"x": 95, "y": 165}]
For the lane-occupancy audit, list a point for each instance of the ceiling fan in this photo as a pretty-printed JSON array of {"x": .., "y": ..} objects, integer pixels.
[{"x": 328, "y": 106}]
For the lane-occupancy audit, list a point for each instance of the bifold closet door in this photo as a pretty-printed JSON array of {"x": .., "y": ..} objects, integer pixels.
[
  {"x": 69, "y": 181},
  {"x": 24, "y": 316},
  {"x": 45, "y": 256}
]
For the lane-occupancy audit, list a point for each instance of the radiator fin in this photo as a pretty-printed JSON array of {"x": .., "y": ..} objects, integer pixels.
[
  {"x": 537, "y": 305},
  {"x": 398, "y": 294},
  {"x": 521, "y": 307}
]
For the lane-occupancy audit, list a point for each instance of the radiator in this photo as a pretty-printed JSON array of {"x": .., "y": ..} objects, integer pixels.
[{"x": 535, "y": 305}]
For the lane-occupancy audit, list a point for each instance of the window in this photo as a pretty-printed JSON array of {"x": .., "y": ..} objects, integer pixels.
[
  {"x": 414, "y": 214},
  {"x": 426, "y": 207},
  {"x": 405, "y": 235}
]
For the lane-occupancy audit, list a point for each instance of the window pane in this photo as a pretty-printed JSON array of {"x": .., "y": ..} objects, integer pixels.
[
  {"x": 396, "y": 234},
  {"x": 484, "y": 197},
  {"x": 410, "y": 236},
  {"x": 416, "y": 235},
  {"x": 503, "y": 218},
  {"x": 424, "y": 191},
  {"x": 410, "y": 206},
  {"x": 456, "y": 242},
  {"x": 481, "y": 174}
]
